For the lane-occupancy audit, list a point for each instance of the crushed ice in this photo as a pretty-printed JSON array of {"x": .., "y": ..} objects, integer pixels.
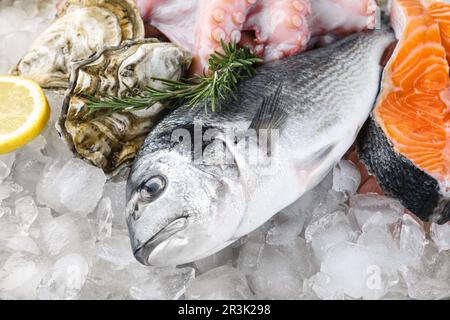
[{"x": 63, "y": 234}]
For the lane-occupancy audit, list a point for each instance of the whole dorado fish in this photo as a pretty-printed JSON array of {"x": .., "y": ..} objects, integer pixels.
[{"x": 195, "y": 188}]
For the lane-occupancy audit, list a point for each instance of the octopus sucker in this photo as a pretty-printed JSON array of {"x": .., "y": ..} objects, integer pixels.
[
  {"x": 210, "y": 31},
  {"x": 280, "y": 27},
  {"x": 299, "y": 5},
  {"x": 110, "y": 141},
  {"x": 238, "y": 18},
  {"x": 236, "y": 36},
  {"x": 218, "y": 14}
]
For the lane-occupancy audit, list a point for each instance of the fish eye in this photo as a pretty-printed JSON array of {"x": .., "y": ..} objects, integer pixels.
[{"x": 152, "y": 188}]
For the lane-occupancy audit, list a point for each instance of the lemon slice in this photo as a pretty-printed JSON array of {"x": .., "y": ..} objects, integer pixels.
[{"x": 24, "y": 112}]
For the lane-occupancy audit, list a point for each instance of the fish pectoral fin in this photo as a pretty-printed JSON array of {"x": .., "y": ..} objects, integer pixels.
[
  {"x": 317, "y": 158},
  {"x": 272, "y": 113},
  {"x": 268, "y": 121}
]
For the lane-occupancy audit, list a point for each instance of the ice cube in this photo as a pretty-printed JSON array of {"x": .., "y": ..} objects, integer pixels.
[
  {"x": 22, "y": 244},
  {"x": 346, "y": 177},
  {"x": 46, "y": 190},
  {"x": 429, "y": 257},
  {"x": 116, "y": 250},
  {"x": 220, "y": 258},
  {"x": 74, "y": 187},
  {"x": 27, "y": 172},
  {"x": 325, "y": 288},
  {"x": 396, "y": 296},
  {"x": 331, "y": 201},
  {"x": 423, "y": 287},
  {"x": 442, "y": 267},
  {"x": 329, "y": 231},
  {"x": 65, "y": 234},
  {"x": 34, "y": 148},
  {"x": 385, "y": 253},
  {"x": 116, "y": 191},
  {"x": 388, "y": 221},
  {"x": 26, "y": 211},
  {"x": 16, "y": 271},
  {"x": 281, "y": 271},
  {"x": 104, "y": 283},
  {"x": 441, "y": 235},
  {"x": 55, "y": 235},
  {"x": 307, "y": 202},
  {"x": 412, "y": 239},
  {"x": 250, "y": 253},
  {"x": 55, "y": 100},
  {"x": 436, "y": 266},
  {"x": 363, "y": 206},
  {"x": 6, "y": 163},
  {"x": 4, "y": 211},
  {"x": 163, "y": 284},
  {"x": 44, "y": 215},
  {"x": 7, "y": 189},
  {"x": 383, "y": 248},
  {"x": 285, "y": 227},
  {"x": 8, "y": 222},
  {"x": 353, "y": 270},
  {"x": 228, "y": 284},
  {"x": 56, "y": 147},
  {"x": 104, "y": 216},
  {"x": 65, "y": 279}
]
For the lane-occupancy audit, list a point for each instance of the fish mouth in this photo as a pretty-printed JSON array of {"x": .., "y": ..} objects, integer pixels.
[{"x": 142, "y": 254}]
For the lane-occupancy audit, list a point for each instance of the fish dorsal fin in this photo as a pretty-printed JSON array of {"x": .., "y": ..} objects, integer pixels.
[{"x": 272, "y": 113}]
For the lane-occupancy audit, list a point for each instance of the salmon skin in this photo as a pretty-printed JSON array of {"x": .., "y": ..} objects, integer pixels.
[
  {"x": 405, "y": 144},
  {"x": 400, "y": 177},
  {"x": 180, "y": 210}
]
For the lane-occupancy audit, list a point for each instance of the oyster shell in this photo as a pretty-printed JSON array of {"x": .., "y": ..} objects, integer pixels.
[
  {"x": 111, "y": 141},
  {"x": 83, "y": 28}
]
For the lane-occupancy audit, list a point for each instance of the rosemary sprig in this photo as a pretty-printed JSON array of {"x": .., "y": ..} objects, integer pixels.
[{"x": 226, "y": 68}]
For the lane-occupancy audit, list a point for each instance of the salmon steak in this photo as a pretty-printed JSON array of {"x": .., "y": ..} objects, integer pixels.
[{"x": 405, "y": 143}]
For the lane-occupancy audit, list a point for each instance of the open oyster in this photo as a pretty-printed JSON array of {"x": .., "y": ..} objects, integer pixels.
[
  {"x": 83, "y": 28},
  {"x": 110, "y": 141}
]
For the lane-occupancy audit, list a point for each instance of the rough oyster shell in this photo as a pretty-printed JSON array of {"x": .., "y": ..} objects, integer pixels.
[
  {"x": 83, "y": 28},
  {"x": 111, "y": 141}
]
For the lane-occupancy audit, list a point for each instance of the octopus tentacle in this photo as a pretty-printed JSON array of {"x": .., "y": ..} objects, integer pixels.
[
  {"x": 342, "y": 16},
  {"x": 280, "y": 26},
  {"x": 219, "y": 20},
  {"x": 272, "y": 28},
  {"x": 198, "y": 25},
  {"x": 173, "y": 18},
  {"x": 148, "y": 7}
]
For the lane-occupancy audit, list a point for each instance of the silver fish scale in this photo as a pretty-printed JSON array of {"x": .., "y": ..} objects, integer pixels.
[{"x": 309, "y": 92}]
